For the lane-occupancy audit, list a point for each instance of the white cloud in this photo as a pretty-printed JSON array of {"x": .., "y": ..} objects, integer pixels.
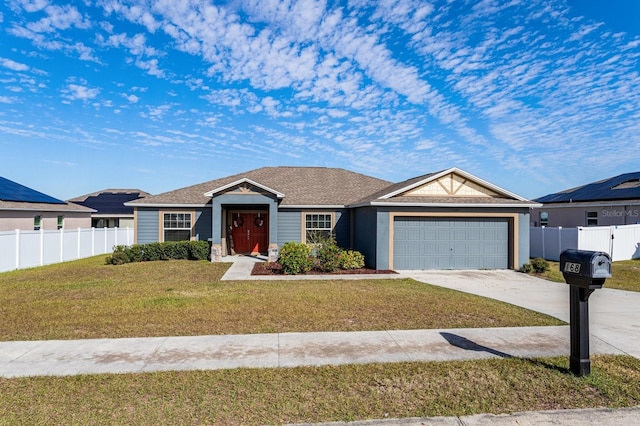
[
  {"x": 13, "y": 65},
  {"x": 75, "y": 92},
  {"x": 59, "y": 18},
  {"x": 131, "y": 98}
]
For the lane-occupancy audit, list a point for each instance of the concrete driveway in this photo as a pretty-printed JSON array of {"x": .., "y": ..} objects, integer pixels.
[{"x": 614, "y": 315}]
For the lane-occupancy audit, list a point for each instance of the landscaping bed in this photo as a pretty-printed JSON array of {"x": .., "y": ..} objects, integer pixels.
[{"x": 274, "y": 268}]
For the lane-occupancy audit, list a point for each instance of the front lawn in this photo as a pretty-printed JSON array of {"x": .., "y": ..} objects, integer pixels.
[{"x": 88, "y": 299}]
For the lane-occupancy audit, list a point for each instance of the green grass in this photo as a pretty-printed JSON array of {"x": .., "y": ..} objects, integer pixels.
[
  {"x": 88, "y": 299},
  {"x": 625, "y": 275},
  {"x": 319, "y": 394}
]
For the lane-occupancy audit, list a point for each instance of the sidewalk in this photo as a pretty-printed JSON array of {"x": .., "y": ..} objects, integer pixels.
[{"x": 135, "y": 355}]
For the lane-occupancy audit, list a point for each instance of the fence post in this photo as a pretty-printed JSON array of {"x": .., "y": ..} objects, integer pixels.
[
  {"x": 41, "y": 246},
  {"x": 61, "y": 245},
  {"x": 17, "y": 249},
  {"x": 106, "y": 235},
  {"x": 542, "y": 240},
  {"x": 559, "y": 241},
  {"x": 79, "y": 237},
  {"x": 115, "y": 240},
  {"x": 93, "y": 241}
]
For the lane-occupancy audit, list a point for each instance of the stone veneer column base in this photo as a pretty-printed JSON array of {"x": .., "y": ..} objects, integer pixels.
[
  {"x": 273, "y": 253},
  {"x": 216, "y": 252}
]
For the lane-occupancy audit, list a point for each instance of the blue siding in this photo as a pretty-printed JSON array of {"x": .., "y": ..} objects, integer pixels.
[
  {"x": 289, "y": 226},
  {"x": 364, "y": 234},
  {"x": 148, "y": 226},
  {"x": 203, "y": 224},
  {"x": 342, "y": 228}
]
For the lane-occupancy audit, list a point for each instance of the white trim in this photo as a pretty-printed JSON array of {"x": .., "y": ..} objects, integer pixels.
[
  {"x": 312, "y": 206},
  {"x": 380, "y": 203},
  {"x": 462, "y": 173},
  {"x": 174, "y": 206},
  {"x": 243, "y": 180}
]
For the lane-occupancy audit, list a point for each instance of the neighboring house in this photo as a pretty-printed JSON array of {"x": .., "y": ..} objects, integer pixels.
[
  {"x": 27, "y": 209},
  {"x": 445, "y": 220},
  {"x": 613, "y": 201},
  {"x": 110, "y": 211}
]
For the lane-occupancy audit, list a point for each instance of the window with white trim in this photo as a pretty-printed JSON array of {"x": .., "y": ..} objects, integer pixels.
[
  {"x": 176, "y": 226},
  {"x": 318, "y": 226},
  {"x": 37, "y": 222},
  {"x": 60, "y": 222},
  {"x": 592, "y": 218}
]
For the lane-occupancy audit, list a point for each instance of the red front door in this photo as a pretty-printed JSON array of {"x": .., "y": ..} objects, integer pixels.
[{"x": 249, "y": 232}]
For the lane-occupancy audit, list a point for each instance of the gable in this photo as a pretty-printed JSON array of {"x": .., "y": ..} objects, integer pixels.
[
  {"x": 244, "y": 187},
  {"x": 451, "y": 185}
]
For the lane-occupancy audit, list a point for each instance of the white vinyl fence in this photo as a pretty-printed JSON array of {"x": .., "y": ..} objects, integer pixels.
[
  {"x": 24, "y": 249},
  {"x": 621, "y": 242}
]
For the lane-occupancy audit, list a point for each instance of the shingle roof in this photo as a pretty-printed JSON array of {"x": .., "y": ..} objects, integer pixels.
[
  {"x": 110, "y": 201},
  {"x": 302, "y": 186},
  {"x": 44, "y": 207},
  {"x": 321, "y": 186},
  {"x": 621, "y": 187}
]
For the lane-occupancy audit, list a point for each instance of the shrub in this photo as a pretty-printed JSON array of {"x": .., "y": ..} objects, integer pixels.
[
  {"x": 526, "y": 268},
  {"x": 193, "y": 250},
  {"x": 120, "y": 256},
  {"x": 329, "y": 255},
  {"x": 539, "y": 265},
  {"x": 351, "y": 259},
  {"x": 294, "y": 258},
  {"x": 199, "y": 250}
]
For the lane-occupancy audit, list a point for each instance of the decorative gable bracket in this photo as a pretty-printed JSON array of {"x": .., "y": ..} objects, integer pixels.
[{"x": 244, "y": 185}]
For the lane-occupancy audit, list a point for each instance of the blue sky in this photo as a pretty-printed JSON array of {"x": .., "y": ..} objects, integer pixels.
[{"x": 534, "y": 96}]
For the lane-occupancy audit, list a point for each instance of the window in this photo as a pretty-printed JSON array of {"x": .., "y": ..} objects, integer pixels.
[
  {"x": 177, "y": 226},
  {"x": 544, "y": 219},
  {"x": 592, "y": 218},
  {"x": 37, "y": 222},
  {"x": 317, "y": 226},
  {"x": 60, "y": 222}
]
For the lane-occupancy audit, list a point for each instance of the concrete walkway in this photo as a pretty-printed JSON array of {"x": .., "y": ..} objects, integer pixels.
[{"x": 615, "y": 326}]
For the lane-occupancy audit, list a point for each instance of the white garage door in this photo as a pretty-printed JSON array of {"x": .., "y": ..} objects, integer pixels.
[{"x": 450, "y": 243}]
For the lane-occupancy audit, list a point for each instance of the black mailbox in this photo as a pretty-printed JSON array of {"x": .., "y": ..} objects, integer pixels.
[
  {"x": 584, "y": 271},
  {"x": 587, "y": 269}
]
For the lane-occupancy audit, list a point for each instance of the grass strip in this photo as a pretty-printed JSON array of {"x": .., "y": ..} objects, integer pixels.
[{"x": 320, "y": 394}]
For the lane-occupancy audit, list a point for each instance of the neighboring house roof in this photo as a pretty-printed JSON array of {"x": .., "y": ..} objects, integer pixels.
[
  {"x": 622, "y": 187},
  {"x": 299, "y": 186},
  {"x": 110, "y": 201},
  {"x": 332, "y": 187},
  {"x": 14, "y": 196}
]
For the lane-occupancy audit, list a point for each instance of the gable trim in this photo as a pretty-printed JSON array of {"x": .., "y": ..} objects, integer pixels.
[
  {"x": 460, "y": 172},
  {"x": 240, "y": 181}
]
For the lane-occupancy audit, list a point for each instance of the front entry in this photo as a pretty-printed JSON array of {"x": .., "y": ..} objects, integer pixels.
[{"x": 249, "y": 232}]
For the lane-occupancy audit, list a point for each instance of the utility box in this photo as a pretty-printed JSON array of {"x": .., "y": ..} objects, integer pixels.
[{"x": 586, "y": 269}]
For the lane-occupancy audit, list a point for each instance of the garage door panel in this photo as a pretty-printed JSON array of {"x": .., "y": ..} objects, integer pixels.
[{"x": 450, "y": 243}]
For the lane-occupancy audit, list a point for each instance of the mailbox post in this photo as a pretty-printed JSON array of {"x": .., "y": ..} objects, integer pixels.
[{"x": 584, "y": 271}]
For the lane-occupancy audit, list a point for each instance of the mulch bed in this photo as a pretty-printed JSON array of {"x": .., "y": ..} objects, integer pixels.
[{"x": 274, "y": 268}]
